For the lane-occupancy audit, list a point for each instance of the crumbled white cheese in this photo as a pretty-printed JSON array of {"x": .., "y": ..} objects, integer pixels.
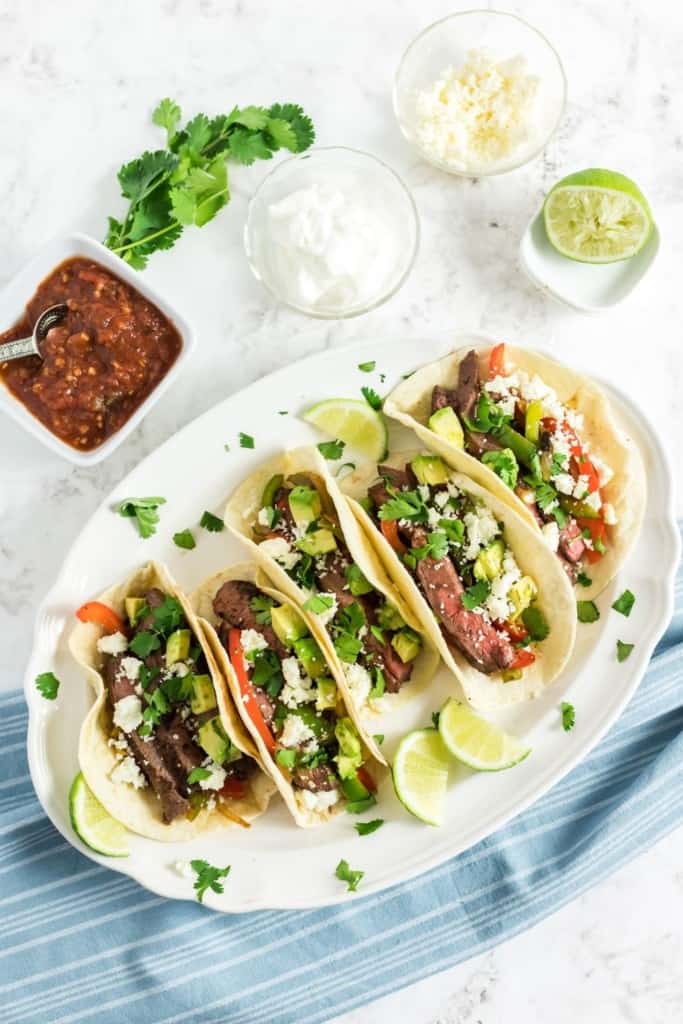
[
  {"x": 605, "y": 472},
  {"x": 130, "y": 668},
  {"x": 564, "y": 483},
  {"x": 551, "y": 535},
  {"x": 441, "y": 499},
  {"x": 263, "y": 516},
  {"x": 359, "y": 681},
  {"x": 128, "y": 713},
  {"x": 594, "y": 501},
  {"x": 179, "y": 668},
  {"x": 298, "y": 689},
  {"x": 581, "y": 488},
  {"x": 279, "y": 549},
  {"x": 477, "y": 114},
  {"x": 216, "y": 778},
  {"x": 320, "y": 801},
  {"x": 497, "y": 604},
  {"x": 112, "y": 643},
  {"x": 423, "y": 491},
  {"x": 574, "y": 419},
  {"x": 295, "y": 733},
  {"x": 252, "y": 640},
  {"x": 481, "y": 528},
  {"x": 118, "y": 744},
  {"x": 609, "y": 515},
  {"x": 128, "y": 771}
]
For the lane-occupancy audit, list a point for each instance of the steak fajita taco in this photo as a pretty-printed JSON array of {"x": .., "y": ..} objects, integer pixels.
[
  {"x": 288, "y": 698},
  {"x": 543, "y": 439},
  {"x": 296, "y": 522},
  {"x": 162, "y": 748},
  {"x": 479, "y": 578}
]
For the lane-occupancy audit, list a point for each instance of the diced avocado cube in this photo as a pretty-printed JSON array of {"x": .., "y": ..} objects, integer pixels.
[
  {"x": 271, "y": 489},
  {"x": 430, "y": 469},
  {"x": 389, "y": 617},
  {"x": 446, "y": 424},
  {"x": 489, "y": 562},
  {"x": 321, "y": 727},
  {"x": 510, "y": 675},
  {"x": 521, "y": 594},
  {"x": 532, "y": 420},
  {"x": 407, "y": 644},
  {"x": 177, "y": 646},
  {"x": 133, "y": 606},
  {"x": 358, "y": 585},
  {"x": 353, "y": 789},
  {"x": 319, "y": 542},
  {"x": 203, "y": 695},
  {"x": 288, "y": 624},
  {"x": 213, "y": 739},
  {"x": 304, "y": 504},
  {"x": 327, "y": 694},
  {"x": 350, "y": 756},
  {"x": 310, "y": 656}
]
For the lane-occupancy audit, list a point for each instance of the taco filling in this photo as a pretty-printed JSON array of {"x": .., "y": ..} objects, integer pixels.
[
  {"x": 517, "y": 426},
  {"x": 300, "y": 531},
  {"x": 452, "y": 545},
  {"x": 290, "y": 698},
  {"x": 166, "y": 729}
]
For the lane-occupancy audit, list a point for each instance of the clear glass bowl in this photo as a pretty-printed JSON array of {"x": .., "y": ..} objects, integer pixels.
[
  {"x": 349, "y": 170},
  {"x": 448, "y": 42}
]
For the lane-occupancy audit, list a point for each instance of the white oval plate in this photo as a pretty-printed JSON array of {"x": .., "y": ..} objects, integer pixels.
[{"x": 274, "y": 864}]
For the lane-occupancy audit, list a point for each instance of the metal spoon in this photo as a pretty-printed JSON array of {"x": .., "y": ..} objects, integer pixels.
[{"x": 31, "y": 346}]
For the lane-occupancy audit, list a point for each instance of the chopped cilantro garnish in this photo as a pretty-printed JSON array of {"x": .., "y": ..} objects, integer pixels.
[
  {"x": 587, "y": 611},
  {"x": 536, "y": 623},
  {"x": 358, "y": 806},
  {"x": 487, "y": 416},
  {"x": 246, "y": 440},
  {"x": 557, "y": 463},
  {"x": 366, "y": 828},
  {"x": 436, "y": 547},
  {"x": 262, "y": 605},
  {"x": 144, "y": 510},
  {"x": 435, "y": 719},
  {"x": 454, "y": 530},
  {"x": 475, "y": 596},
  {"x": 144, "y": 643},
  {"x": 583, "y": 580},
  {"x": 378, "y": 738},
  {"x": 286, "y": 758},
  {"x": 319, "y": 603},
  {"x": 47, "y": 684},
  {"x": 211, "y": 522},
  {"x": 367, "y": 367},
  {"x": 331, "y": 449},
  {"x": 345, "y": 874},
  {"x": 356, "y": 580},
  {"x": 379, "y": 686},
  {"x": 624, "y": 603},
  {"x": 283, "y": 412},
  {"x": 147, "y": 675},
  {"x": 568, "y": 716},
  {"x": 504, "y": 465},
  {"x": 372, "y": 398},
  {"x": 377, "y": 633},
  {"x": 405, "y": 505},
  {"x": 226, "y": 447},
  {"x": 184, "y": 539},
  {"x": 346, "y": 626},
  {"x": 623, "y": 650},
  {"x": 168, "y": 615},
  {"x": 197, "y": 774},
  {"x": 208, "y": 877}
]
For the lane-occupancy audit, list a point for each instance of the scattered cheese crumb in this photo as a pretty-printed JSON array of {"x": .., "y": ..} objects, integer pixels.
[
  {"x": 279, "y": 549},
  {"x": 251, "y": 640},
  {"x": 128, "y": 713},
  {"x": 216, "y": 778},
  {"x": 318, "y": 802},
  {"x": 295, "y": 733},
  {"x": 112, "y": 643},
  {"x": 551, "y": 535},
  {"x": 127, "y": 771},
  {"x": 359, "y": 682},
  {"x": 298, "y": 689}
]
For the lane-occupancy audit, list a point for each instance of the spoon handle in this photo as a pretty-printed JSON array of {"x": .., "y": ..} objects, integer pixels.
[{"x": 17, "y": 349}]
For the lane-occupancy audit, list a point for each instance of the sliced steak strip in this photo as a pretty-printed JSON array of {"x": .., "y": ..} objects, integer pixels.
[
  {"x": 467, "y": 391},
  {"x": 154, "y": 598},
  {"x": 572, "y": 545},
  {"x": 443, "y": 397},
  {"x": 315, "y": 779},
  {"x": 180, "y": 750},
  {"x": 232, "y": 603},
  {"x": 379, "y": 494},
  {"x": 478, "y": 444},
  {"x": 398, "y": 478}
]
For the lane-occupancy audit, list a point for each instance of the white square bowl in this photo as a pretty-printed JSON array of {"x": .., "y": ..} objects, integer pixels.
[
  {"x": 591, "y": 288},
  {"x": 23, "y": 285}
]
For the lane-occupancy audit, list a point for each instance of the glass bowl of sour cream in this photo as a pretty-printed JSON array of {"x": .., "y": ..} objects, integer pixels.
[
  {"x": 333, "y": 232},
  {"x": 479, "y": 93}
]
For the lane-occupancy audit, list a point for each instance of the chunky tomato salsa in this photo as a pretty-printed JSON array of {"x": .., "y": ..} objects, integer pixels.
[{"x": 100, "y": 363}]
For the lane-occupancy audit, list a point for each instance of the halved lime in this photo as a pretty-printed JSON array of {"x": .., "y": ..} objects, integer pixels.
[
  {"x": 476, "y": 742},
  {"x": 353, "y": 421},
  {"x": 420, "y": 773},
  {"x": 93, "y": 824},
  {"x": 597, "y": 216}
]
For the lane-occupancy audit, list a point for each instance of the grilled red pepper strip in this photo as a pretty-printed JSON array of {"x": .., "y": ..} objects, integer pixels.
[
  {"x": 247, "y": 690},
  {"x": 102, "y": 615},
  {"x": 497, "y": 366}
]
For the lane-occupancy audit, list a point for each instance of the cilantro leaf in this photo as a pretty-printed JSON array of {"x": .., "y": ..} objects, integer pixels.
[
  {"x": 331, "y": 449},
  {"x": 208, "y": 877},
  {"x": 140, "y": 177},
  {"x": 300, "y": 123},
  {"x": 246, "y": 440},
  {"x": 378, "y": 737},
  {"x": 435, "y": 718},
  {"x": 436, "y": 547},
  {"x": 536, "y": 623},
  {"x": 583, "y": 580},
  {"x": 359, "y": 806},
  {"x": 475, "y": 596},
  {"x": 280, "y": 134},
  {"x": 587, "y": 611},
  {"x": 318, "y": 603},
  {"x": 47, "y": 685},
  {"x": 624, "y": 603},
  {"x": 372, "y": 398},
  {"x": 197, "y": 775},
  {"x": 144, "y": 643},
  {"x": 366, "y": 828},
  {"x": 168, "y": 616},
  {"x": 262, "y": 605},
  {"x": 380, "y": 684},
  {"x": 504, "y": 465},
  {"x": 211, "y": 522},
  {"x": 345, "y": 874},
  {"x": 184, "y": 539},
  {"x": 144, "y": 510},
  {"x": 367, "y": 367},
  {"x": 623, "y": 650},
  {"x": 568, "y": 716},
  {"x": 404, "y": 505},
  {"x": 247, "y": 146},
  {"x": 167, "y": 115}
]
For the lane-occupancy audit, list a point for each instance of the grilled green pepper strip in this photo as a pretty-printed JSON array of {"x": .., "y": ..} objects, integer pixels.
[{"x": 524, "y": 451}]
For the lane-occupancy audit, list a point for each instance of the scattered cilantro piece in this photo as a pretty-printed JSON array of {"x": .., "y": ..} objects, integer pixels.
[
  {"x": 475, "y": 596},
  {"x": 568, "y": 716},
  {"x": 405, "y": 505},
  {"x": 367, "y": 367},
  {"x": 366, "y": 828},
  {"x": 504, "y": 465},
  {"x": 345, "y": 874},
  {"x": 144, "y": 643},
  {"x": 168, "y": 615},
  {"x": 624, "y": 603},
  {"x": 47, "y": 684},
  {"x": 197, "y": 774},
  {"x": 436, "y": 547},
  {"x": 379, "y": 686},
  {"x": 587, "y": 611},
  {"x": 318, "y": 603},
  {"x": 435, "y": 719},
  {"x": 246, "y": 440},
  {"x": 536, "y": 623},
  {"x": 557, "y": 463},
  {"x": 454, "y": 530},
  {"x": 208, "y": 877},
  {"x": 372, "y": 398},
  {"x": 184, "y": 539},
  {"x": 487, "y": 416},
  {"x": 226, "y": 447},
  {"x": 283, "y": 412},
  {"x": 623, "y": 650},
  {"x": 211, "y": 522},
  {"x": 144, "y": 510},
  {"x": 583, "y": 580},
  {"x": 358, "y": 806},
  {"x": 262, "y": 605},
  {"x": 331, "y": 449},
  {"x": 378, "y": 738}
]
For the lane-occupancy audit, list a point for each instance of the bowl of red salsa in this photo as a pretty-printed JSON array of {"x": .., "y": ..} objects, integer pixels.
[{"x": 118, "y": 348}]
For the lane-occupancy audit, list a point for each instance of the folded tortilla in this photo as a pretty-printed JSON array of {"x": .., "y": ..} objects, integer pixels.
[
  {"x": 411, "y": 404},
  {"x": 555, "y": 595},
  {"x": 140, "y": 809},
  {"x": 240, "y": 516}
]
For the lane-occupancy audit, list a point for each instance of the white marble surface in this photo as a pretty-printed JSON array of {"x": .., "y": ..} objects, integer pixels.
[{"x": 77, "y": 84}]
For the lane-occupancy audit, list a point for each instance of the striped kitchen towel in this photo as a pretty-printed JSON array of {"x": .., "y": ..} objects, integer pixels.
[{"x": 80, "y": 943}]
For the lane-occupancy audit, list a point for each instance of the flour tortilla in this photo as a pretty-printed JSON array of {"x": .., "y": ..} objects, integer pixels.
[
  {"x": 240, "y": 517},
  {"x": 139, "y": 809},
  {"x": 410, "y": 403},
  {"x": 555, "y": 595}
]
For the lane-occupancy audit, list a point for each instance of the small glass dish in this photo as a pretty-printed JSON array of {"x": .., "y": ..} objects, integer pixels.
[
  {"x": 447, "y": 43},
  {"x": 346, "y": 170}
]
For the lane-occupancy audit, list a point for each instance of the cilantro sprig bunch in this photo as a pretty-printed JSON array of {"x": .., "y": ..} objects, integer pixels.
[{"x": 187, "y": 182}]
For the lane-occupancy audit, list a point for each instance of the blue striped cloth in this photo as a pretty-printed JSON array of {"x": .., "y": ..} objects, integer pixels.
[{"x": 80, "y": 943}]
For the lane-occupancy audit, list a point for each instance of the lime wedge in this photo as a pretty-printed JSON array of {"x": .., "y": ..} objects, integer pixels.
[
  {"x": 93, "y": 824},
  {"x": 353, "y": 421},
  {"x": 597, "y": 216},
  {"x": 476, "y": 742},
  {"x": 420, "y": 773}
]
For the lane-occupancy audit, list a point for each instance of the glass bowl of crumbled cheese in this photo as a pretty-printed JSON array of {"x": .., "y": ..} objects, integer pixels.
[
  {"x": 332, "y": 233},
  {"x": 479, "y": 93}
]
